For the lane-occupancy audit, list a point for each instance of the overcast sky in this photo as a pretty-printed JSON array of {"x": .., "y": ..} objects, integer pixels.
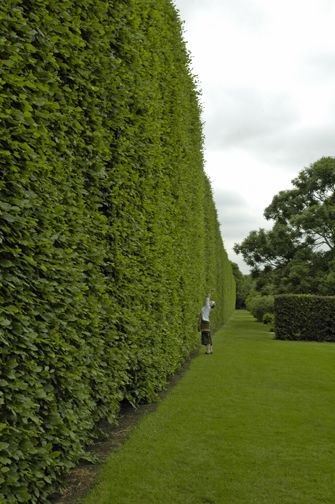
[{"x": 266, "y": 69}]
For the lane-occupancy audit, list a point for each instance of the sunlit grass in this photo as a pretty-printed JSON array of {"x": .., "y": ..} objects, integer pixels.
[{"x": 252, "y": 423}]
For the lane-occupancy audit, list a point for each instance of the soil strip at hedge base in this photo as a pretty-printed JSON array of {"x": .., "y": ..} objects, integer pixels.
[{"x": 252, "y": 423}]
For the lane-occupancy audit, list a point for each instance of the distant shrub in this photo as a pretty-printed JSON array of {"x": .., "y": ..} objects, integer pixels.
[
  {"x": 268, "y": 319},
  {"x": 305, "y": 317},
  {"x": 260, "y": 305}
]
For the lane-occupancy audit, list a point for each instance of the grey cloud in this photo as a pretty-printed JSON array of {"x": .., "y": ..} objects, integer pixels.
[
  {"x": 320, "y": 66},
  {"x": 236, "y": 223},
  {"x": 238, "y": 226},
  {"x": 243, "y": 11},
  {"x": 268, "y": 126},
  {"x": 235, "y": 217},
  {"x": 241, "y": 116},
  {"x": 187, "y": 7},
  {"x": 228, "y": 198},
  {"x": 236, "y": 220},
  {"x": 297, "y": 148}
]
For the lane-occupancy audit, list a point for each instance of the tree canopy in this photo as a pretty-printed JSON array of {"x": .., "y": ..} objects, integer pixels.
[{"x": 297, "y": 253}]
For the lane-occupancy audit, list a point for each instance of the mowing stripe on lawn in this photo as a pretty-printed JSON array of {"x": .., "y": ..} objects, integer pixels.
[{"x": 252, "y": 423}]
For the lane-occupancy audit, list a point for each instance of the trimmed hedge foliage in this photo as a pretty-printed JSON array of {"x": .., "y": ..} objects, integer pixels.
[
  {"x": 305, "y": 317},
  {"x": 109, "y": 235}
]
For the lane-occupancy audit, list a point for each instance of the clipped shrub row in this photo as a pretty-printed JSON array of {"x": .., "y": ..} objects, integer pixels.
[
  {"x": 260, "y": 305},
  {"x": 305, "y": 317},
  {"x": 109, "y": 238}
]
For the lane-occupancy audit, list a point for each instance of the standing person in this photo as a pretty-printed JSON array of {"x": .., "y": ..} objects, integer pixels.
[{"x": 204, "y": 327}]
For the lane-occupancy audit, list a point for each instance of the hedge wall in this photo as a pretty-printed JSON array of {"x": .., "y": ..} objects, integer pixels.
[
  {"x": 109, "y": 238},
  {"x": 305, "y": 317}
]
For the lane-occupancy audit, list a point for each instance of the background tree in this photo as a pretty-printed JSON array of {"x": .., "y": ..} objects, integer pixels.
[
  {"x": 297, "y": 254},
  {"x": 243, "y": 285},
  {"x": 309, "y": 208}
]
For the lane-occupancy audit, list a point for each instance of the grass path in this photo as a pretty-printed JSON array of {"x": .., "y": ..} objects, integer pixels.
[{"x": 252, "y": 423}]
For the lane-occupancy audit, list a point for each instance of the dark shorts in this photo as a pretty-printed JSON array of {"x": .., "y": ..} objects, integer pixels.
[{"x": 206, "y": 338}]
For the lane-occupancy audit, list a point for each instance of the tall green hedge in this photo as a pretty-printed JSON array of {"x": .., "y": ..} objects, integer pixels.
[
  {"x": 305, "y": 317},
  {"x": 109, "y": 238}
]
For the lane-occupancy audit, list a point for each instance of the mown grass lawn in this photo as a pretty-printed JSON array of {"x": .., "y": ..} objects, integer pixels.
[{"x": 252, "y": 423}]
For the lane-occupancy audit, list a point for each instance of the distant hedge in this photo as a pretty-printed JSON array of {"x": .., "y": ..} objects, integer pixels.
[
  {"x": 260, "y": 305},
  {"x": 305, "y": 317},
  {"x": 109, "y": 238}
]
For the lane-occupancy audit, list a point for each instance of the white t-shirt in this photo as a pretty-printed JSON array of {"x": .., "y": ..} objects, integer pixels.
[{"x": 205, "y": 310}]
